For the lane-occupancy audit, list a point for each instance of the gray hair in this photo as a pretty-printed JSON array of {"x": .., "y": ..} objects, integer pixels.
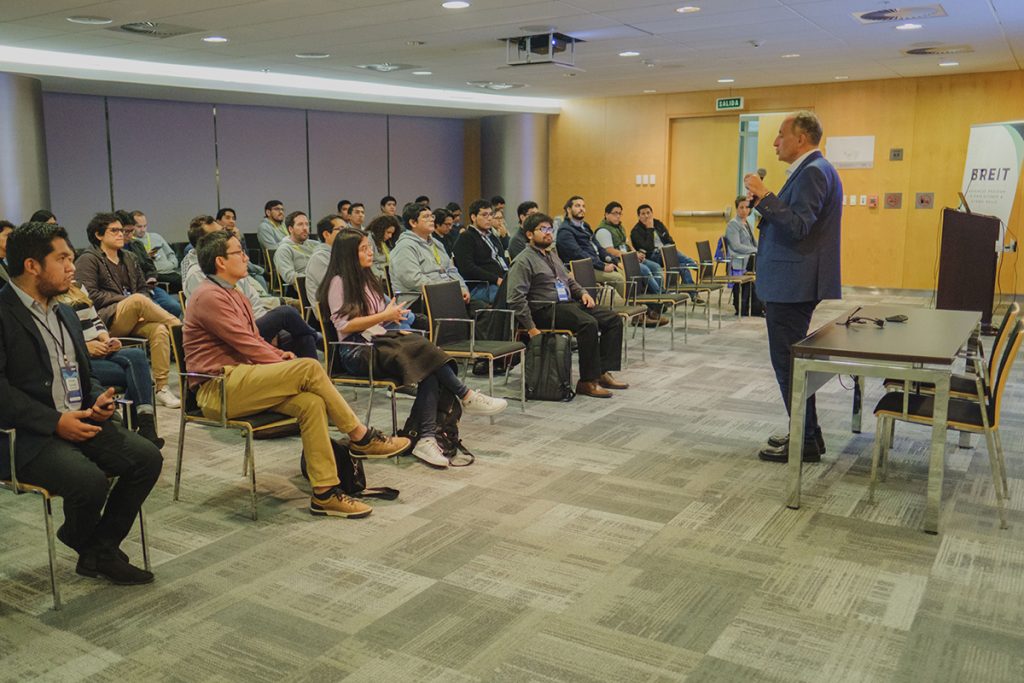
[{"x": 807, "y": 122}]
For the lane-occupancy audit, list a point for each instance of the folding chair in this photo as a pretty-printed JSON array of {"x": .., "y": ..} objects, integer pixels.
[
  {"x": 445, "y": 305},
  {"x": 20, "y": 487},
  {"x": 746, "y": 279},
  {"x": 582, "y": 270},
  {"x": 192, "y": 413},
  {"x": 674, "y": 283},
  {"x": 977, "y": 415},
  {"x": 635, "y": 279}
]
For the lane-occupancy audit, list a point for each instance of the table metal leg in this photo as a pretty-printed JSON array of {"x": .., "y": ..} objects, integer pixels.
[
  {"x": 937, "y": 464},
  {"x": 858, "y": 397},
  {"x": 797, "y": 409}
]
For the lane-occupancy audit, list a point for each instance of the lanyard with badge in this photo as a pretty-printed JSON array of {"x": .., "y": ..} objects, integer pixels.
[
  {"x": 437, "y": 254},
  {"x": 69, "y": 376},
  {"x": 561, "y": 290}
]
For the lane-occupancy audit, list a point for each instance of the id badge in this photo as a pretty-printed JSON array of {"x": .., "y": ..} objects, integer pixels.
[
  {"x": 562, "y": 290},
  {"x": 72, "y": 383}
]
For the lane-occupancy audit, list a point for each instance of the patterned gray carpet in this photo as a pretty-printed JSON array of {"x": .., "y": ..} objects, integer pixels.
[{"x": 632, "y": 539}]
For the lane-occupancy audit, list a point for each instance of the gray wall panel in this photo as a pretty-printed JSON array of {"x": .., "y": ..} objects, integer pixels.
[
  {"x": 347, "y": 160},
  {"x": 426, "y": 158},
  {"x": 163, "y": 161},
  {"x": 262, "y": 154},
  {"x": 76, "y": 141}
]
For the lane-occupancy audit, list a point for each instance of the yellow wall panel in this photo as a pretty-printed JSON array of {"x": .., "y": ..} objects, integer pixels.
[{"x": 599, "y": 145}]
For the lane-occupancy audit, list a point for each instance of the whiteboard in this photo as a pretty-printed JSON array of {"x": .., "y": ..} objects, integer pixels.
[{"x": 852, "y": 151}]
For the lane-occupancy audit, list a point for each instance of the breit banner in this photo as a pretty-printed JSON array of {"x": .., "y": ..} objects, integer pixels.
[{"x": 992, "y": 171}]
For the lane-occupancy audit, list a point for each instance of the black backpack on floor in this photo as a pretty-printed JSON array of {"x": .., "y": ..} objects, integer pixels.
[
  {"x": 351, "y": 474},
  {"x": 449, "y": 412},
  {"x": 549, "y": 368}
]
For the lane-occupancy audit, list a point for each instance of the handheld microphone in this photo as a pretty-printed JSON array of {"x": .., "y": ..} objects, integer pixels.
[{"x": 761, "y": 173}]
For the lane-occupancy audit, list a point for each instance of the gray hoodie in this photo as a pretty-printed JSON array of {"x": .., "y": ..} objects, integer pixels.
[{"x": 416, "y": 262}]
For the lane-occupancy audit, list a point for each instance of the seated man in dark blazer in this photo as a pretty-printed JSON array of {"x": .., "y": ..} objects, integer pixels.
[
  {"x": 66, "y": 441},
  {"x": 5, "y": 231},
  {"x": 480, "y": 255}
]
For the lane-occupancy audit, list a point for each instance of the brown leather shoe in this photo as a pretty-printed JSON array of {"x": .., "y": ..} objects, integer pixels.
[
  {"x": 608, "y": 382},
  {"x": 656, "y": 321},
  {"x": 591, "y": 389}
]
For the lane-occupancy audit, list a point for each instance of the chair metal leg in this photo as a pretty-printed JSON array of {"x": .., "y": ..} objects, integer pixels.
[
  {"x": 181, "y": 451},
  {"x": 369, "y": 407},
  {"x": 720, "y": 292},
  {"x": 522, "y": 381},
  {"x": 142, "y": 540},
  {"x": 887, "y": 445},
  {"x": 51, "y": 547},
  {"x": 252, "y": 471},
  {"x": 490, "y": 382},
  {"x": 876, "y": 451},
  {"x": 394, "y": 414},
  {"x": 1002, "y": 461},
  {"x": 997, "y": 483},
  {"x": 672, "y": 329}
]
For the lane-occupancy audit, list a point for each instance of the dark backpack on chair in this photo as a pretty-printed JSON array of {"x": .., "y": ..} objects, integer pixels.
[{"x": 549, "y": 368}]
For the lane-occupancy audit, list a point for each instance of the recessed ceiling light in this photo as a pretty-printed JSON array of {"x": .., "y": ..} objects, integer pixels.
[
  {"x": 629, "y": 53},
  {"x": 726, "y": 80},
  {"x": 215, "y": 39},
  {"x": 791, "y": 55},
  {"x": 414, "y": 43},
  {"x": 908, "y": 27},
  {"x": 264, "y": 71},
  {"x": 650, "y": 92},
  {"x": 455, "y": 4},
  {"x": 841, "y": 78},
  {"x": 422, "y": 73},
  {"x": 90, "y": 20},
  {"x": 687, "y": 9},
  {"x": 492, "y": 85},
  {"x": 387, "y": 67},
  {"x": 569, "y": 74},
  {"x": 949, "y": 63},
  {"x": 312, "y": 55}
]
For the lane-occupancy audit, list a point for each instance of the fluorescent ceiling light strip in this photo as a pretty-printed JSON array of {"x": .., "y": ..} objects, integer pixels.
[{"x": 93, "y": 67}]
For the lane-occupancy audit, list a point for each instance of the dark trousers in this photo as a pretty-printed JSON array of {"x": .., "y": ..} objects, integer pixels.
[
  {"x": 301, "y": 337},
  {"x": 424, "y": 408},
  {"x": 598, "y": 332},
  {"x": 78, "y": 473},
  {"x": 788, "y": 324}
]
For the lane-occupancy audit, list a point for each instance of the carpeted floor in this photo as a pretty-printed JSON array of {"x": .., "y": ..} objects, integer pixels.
[{"x": 631, "y": 539}]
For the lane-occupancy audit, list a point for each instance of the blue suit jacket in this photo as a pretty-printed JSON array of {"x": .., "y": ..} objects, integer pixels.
[{"x": 798, "y": 249}]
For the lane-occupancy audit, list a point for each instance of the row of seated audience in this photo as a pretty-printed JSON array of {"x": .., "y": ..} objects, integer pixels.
[{"x": 261, "y": 343}]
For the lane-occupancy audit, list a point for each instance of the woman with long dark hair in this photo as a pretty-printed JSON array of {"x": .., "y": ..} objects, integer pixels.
[
  {"x": 361, "y": 311},
  {"x": 382, "y": 231}
]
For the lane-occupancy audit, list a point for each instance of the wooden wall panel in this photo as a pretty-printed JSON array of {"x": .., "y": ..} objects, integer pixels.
[{"x": 929, "y": 118}]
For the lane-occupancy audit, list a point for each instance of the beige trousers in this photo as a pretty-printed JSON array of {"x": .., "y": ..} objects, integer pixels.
[
  {"x": 615, "y": 278},
  {"x": 299, "y": 388},
  {"x": 140, "y": 316}
]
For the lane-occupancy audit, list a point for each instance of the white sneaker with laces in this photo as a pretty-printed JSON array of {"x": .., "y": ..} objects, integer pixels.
[
  {"x": 167, "y": 398},
  {"x": 479, "y": 403},
  {"x": 428, "y": 451}
]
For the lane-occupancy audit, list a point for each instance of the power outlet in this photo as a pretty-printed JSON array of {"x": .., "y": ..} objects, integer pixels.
[{"x": 896, "y": 154}]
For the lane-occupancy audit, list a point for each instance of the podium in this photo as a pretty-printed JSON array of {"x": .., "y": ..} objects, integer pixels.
[{"x": 967, "y": 263}]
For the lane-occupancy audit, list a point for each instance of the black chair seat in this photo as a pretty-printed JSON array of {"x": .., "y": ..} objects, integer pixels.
[
  {"x": 495, "y": 349},
  {"x": 958, "y": 384},
  {"x": 364, "y": 380},
  {"x": 630, "y": 311},
  {"x": 256, "y": 421},
  {"x": 961, "y": 411},
  {"x": 663, "y": 298}
]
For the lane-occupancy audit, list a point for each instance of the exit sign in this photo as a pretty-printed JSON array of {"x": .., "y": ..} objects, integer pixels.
[{"x": 727, "y": 103}]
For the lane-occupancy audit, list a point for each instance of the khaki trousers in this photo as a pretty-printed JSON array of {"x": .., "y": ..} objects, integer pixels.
[
  {"x": 140, "y": 316},
  {"x": 615, "y": 278},
  {"x": 299, "y": 388}
]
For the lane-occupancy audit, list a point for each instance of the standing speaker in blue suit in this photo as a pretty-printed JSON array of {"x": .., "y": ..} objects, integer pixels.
[{"x": 797, "y": 258}]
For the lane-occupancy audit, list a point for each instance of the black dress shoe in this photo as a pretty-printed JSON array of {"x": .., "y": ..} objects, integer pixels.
[
  {"x": 113, "y": 569},
  {"x": 61, "y": 537},
  {"x": 781, "y": 453},
  {"x": 777, "y": 440}
]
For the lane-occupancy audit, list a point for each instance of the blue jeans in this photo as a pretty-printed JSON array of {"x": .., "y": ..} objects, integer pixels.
[
  {"x": 166, "y": 301},
  {"x": 651, "y": 271},
  {"x": 128, "y": 368},
  {"x": 484, "y": 291}
]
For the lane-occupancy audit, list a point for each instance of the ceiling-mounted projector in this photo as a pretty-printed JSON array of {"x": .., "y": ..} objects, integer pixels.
[{"x": 551, "y": 48}]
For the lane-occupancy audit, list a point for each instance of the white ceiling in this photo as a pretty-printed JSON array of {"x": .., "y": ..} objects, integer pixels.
[{"x": 688, "y": 51}]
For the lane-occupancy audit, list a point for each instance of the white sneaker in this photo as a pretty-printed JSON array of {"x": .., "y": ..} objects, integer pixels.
[
  {"x": 167, "y": 398},
  {"x": 479, "y": 403},
  {"x": 429, "y": 452}
]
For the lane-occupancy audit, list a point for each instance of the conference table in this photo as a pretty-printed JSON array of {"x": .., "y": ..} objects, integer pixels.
[{"x": 921, "y": 349}]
